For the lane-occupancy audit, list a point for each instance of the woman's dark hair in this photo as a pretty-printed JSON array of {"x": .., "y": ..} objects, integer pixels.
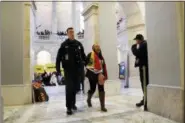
[{"x": 100, "y": 55}]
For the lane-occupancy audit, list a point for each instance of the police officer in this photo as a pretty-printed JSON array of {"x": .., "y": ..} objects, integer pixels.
[
  {"x": 71, "y": 54},
  {"x": 139, "y": 49}
]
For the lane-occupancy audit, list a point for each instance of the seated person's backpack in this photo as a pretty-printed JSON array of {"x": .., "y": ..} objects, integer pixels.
[{"x": 40, "y": 94}]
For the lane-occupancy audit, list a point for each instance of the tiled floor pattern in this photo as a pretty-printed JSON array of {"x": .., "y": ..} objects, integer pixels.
[{"x": 121, "y": 109}]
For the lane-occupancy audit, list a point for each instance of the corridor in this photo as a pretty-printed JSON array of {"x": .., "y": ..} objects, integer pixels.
[
  {"x": 30, "y": 28},
  {"x": 121, "y": 109}
]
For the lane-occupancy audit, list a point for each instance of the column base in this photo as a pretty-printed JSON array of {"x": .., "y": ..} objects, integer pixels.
[
  {"x": 17, "y": 94},
  {"x": 166, "y": 101},
  {"x": 1, "y": 110},
  {"x": 112, "y": 87},
  {"x": 134, "y": 82}
]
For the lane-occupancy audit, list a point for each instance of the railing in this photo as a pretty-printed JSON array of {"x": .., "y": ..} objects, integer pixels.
[
  {"x": 80, "y": 36},
  {"x": 54, "y": 38},
  {"x": 50, "y": 38}
]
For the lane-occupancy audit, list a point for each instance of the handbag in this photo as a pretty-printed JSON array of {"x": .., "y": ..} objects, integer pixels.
[{"x": 101, "y": 79}]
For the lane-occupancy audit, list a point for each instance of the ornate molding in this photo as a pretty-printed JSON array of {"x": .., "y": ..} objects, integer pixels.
[
  {"x": 34, "y": 5},
  {"x": 90, "y": 10},
  {"x": 135, "y": 26}
]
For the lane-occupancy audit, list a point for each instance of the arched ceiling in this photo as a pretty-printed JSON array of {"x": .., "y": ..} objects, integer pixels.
[
  {"x": 133, "y": 12},
  {"x": 129, "y": 8}
]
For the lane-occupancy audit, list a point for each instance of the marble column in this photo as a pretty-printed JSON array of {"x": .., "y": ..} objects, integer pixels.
[
  {"x": 90, "y": 19},
  {"x": 165, "y": 92},
  {"x": 108, "y": 37},
  {"x": 75, "y": 17},
  {"x": 90, "y": 14},
  {"x": 54, "y": 17},
  {"x": 32, "y": 36},
  {"x": 1, "y": 99},
  {"x": 108, "y": 41},
  {"x": 15, "y": 52},
  {"x": 99, "y": 30}
]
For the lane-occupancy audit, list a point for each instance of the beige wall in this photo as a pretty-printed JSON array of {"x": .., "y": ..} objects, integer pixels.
[
  {"x": 12, "y": 42},
  {"x": 15, "y": 51},
  {"x": 180, "y": 17},
  {"x": 1, "y": 99},
  {"x": 164, "y": 48},
  {"x": 163, "y": 43}
]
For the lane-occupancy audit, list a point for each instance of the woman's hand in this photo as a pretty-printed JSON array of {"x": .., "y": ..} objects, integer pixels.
[{"x": 101, "y": 79}]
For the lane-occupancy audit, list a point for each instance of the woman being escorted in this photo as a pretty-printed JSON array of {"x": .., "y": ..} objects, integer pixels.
[{"x": 97, "y": 74}]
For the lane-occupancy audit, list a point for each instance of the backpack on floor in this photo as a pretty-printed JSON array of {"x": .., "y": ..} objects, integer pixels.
[{"x": 40, "y": 94}]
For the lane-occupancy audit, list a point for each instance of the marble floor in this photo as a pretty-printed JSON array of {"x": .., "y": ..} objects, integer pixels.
[{"x": 121, "y": 109}]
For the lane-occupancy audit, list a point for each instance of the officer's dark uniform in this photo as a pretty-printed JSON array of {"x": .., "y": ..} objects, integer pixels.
[
  {"x": 72, "y": 56},
  {"x": 82, "y": 78},
  {"x": 141, "y": 54}
]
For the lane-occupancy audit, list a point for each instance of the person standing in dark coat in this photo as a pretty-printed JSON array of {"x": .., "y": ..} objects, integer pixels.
[
  {"x": 71, "y": 54},
  {"x": 140, "y": 51}
]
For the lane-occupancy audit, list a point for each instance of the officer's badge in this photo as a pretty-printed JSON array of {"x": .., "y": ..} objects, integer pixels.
[{"x": 66, "y": 57}]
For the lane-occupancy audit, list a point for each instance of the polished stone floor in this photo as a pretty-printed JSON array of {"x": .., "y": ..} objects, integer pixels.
[{"x": 121, "y": 109}]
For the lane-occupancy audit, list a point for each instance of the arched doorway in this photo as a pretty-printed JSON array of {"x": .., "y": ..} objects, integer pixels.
[
  {"x": 131, "y": 18},
  {"x": 43, "y": 57}
]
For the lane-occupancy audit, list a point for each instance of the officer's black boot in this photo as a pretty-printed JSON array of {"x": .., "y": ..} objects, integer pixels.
[
  {"x": 89, "y": 99},
  {"x": 74, "y": 108},
  {"x": 145, "y": 106},
  {"x": 69, "y": 112},
  {"x": 141, "y": 103}
]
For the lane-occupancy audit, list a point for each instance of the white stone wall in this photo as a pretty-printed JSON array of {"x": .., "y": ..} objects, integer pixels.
[
  {"x": 44, "y": 15},
  {"x": 63, "y": 13}
]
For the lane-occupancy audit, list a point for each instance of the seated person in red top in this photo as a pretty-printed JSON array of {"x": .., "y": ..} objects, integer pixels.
[{"x": 97, "y": 74}]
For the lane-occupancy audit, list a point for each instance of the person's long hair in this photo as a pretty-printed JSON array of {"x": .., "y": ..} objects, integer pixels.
[{"x": 99, "y": 54}]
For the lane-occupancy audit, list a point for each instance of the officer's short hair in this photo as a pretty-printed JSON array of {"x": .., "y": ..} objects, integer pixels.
[{"x": 69, "y": 29}]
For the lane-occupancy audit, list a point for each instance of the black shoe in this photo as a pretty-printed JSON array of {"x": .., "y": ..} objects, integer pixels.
[
  {"x": 104, "y": 109},
  {"x": 89, "y": 100},
  {"x": 74, "y": 108},
  {"x": 145, "y": 108},
  {"x": 89, "y": 103},
  {"x": 140, "y": 103},
  {"x": 69, "y": 112}
]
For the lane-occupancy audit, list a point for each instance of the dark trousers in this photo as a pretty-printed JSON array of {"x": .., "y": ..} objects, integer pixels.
[
  {"x": 71, "y": 80},
  {"x": 93, "y": 80},
  {"x": 141, "y": 72},
  {"x": 81, "y": 79}
]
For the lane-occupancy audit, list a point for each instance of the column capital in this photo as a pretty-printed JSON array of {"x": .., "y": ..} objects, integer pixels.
[{"x": 90, "y": 10}]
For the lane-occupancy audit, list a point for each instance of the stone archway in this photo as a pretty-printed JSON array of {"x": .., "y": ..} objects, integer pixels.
[
  {"x": 133, "y": 13},
  {"x": 133, "y": 22}
]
